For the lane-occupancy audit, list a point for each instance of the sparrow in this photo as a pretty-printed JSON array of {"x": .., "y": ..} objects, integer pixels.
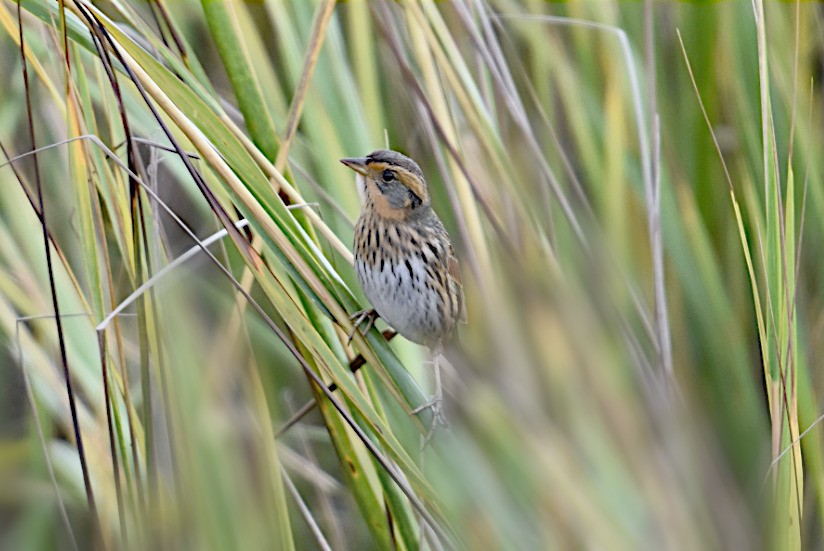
[{"x": 404, "y": 260}]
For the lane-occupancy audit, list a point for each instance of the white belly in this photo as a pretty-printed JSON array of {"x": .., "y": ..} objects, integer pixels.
[{"x": 403, "y": 300}]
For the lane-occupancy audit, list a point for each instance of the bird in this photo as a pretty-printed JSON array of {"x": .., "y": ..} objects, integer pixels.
[{"x": 404, "y": 260}]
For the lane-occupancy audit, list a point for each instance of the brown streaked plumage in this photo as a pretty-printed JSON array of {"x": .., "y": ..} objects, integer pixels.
[{"x": 403, "y": 257}]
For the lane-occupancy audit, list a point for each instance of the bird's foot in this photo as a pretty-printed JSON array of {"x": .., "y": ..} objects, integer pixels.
[
  {"x": 369, "y": 315},
  {"x": 434, "y": 405}
]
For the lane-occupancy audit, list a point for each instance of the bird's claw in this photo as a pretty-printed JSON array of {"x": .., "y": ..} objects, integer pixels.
[
  {"x": 369, "y": 315},
  {"x": 434, "y": 404}
]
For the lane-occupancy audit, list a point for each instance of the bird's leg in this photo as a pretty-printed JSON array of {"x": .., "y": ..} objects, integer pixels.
[
  {"x": 434, "y": 403},
  {"x": 369, "y": 315}
]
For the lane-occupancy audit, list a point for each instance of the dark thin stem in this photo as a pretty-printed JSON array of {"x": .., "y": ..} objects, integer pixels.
[
  {"x": 181, "y": 48},
  {"x": 150, "y": 143},
  {"x": 157, "y": 324},
  {"x": 65, "y": 44},
  {"x": 214, "y": 204},
  {"x": 391, "y": 39},
  {"x": 101, "y": 339},
  {"x": 52, "y": 285},
  {"x": 111, "y": 75},
  {"x": 141, "y": 237},
  {"x": 158, "y": 24},
  {"x": 239, "y": 241},
  {"x": 354, "y": 366}
]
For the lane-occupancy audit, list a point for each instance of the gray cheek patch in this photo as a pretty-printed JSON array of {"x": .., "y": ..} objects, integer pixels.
[
  {"x": 396, "y": 196},
  {"x": 414, "y": 200}
]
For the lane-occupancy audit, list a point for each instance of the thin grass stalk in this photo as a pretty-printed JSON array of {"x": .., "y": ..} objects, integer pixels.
[
  {"x": 58, "y": 322},
  {"x": 145, "y": 308},
  {"x": 306, "y": 513},
  {"x": 369, "y": 445},
  {"x": 282, "y": 152},
  {"x": 109, "y": 398},
  {"x": 789, "y": 527},
  {"x": 399, "y": 377},
  {"x": 64, "y": 517},
  {"x": 544, "y": 476}
]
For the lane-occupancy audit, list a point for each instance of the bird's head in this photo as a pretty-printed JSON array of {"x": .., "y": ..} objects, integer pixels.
[{"x": 391, "y": 183}]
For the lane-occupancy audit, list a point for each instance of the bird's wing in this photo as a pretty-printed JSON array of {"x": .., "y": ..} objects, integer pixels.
[{"x": 454, "y": 271}]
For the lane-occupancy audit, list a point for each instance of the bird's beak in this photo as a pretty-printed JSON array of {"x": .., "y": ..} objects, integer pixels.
[{"x": 358, "y": 164}]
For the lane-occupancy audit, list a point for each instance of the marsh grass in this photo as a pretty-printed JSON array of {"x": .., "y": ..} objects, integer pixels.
[{"x": 634, "y": 190}]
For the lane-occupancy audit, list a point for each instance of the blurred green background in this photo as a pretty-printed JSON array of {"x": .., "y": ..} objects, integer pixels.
[{"x": 634, "y": 190}]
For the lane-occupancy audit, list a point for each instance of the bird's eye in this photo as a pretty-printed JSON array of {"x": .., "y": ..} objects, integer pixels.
[{"x": 388, "y": 176}]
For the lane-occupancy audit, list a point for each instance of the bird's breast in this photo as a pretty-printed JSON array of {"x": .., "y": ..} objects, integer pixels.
[{"x": 407, "y": 286}]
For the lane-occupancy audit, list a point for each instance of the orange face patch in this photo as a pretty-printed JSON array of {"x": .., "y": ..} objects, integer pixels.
[{"x": 381, "y": 203}]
